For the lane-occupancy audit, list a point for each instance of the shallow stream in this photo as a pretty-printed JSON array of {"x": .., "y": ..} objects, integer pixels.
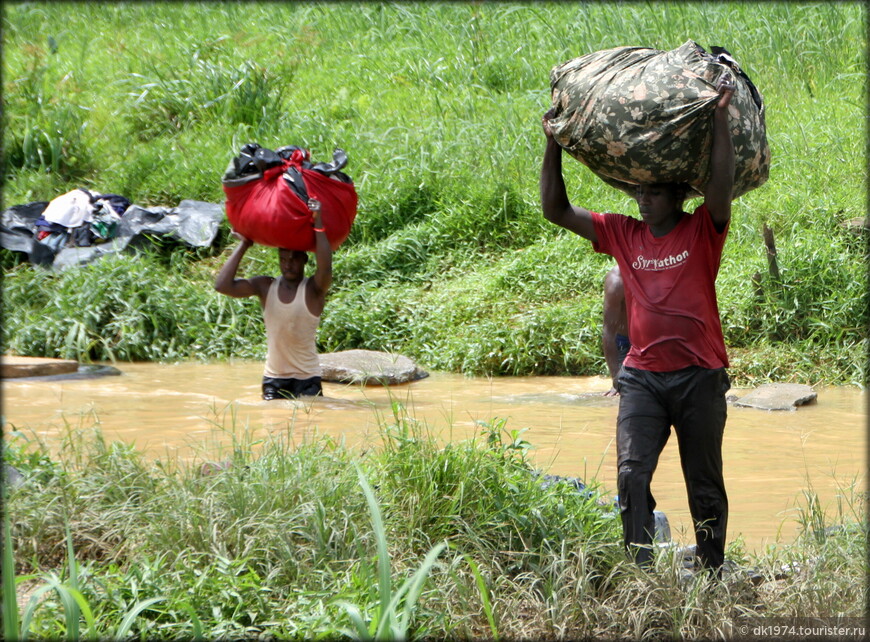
[{"x": 771, "y": 458}]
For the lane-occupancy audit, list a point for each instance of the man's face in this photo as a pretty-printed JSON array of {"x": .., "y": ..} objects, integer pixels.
[
  {"x": 292, "y": 264},
  {"x": 658, "y": 202}
]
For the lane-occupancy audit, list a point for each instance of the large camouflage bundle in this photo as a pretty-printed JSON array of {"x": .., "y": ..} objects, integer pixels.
[{"x": 636, "y": 115}]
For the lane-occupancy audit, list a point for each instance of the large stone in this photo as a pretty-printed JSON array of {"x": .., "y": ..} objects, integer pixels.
[
  {"x": 15, "y": 366},
  {"x": 11, "y": 476},
  {"x": 369, "y": 367},
  {"x": 85, "y": 371},
  {"x": 778, "y": 396}
]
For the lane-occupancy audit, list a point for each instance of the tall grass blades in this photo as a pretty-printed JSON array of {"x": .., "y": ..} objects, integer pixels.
[
  {"x": 281, "y": 542},
  {"x": 484, "y": 596},
  {"x": 164, "y": 103},
  {"x": 438, "y": 106},
  {"x": 388, "y": 621},
  {"x": 99, "y": 314},
  {"x": 75, "y": 605},
  {"x": 10, "y": 581}
]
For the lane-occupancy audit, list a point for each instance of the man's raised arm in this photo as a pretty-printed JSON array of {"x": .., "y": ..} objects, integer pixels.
[
  {"x": 322, "y": 251},
  {"x": 226, "y": 281},
  {"x": 717, "y": 193},
  {"x": 554, "y": 198}
]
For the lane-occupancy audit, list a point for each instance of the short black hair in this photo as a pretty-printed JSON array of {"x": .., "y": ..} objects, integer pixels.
[
  {"x": 674, "y": 187},
  {"x": 295, "y": 252}
]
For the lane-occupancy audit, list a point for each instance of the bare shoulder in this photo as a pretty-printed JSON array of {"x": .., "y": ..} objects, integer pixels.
[{"x": 260, "y": 286}]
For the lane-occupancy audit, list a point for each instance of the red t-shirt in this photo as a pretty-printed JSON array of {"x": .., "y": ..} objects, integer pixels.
[{"x": 670, "y": 289}]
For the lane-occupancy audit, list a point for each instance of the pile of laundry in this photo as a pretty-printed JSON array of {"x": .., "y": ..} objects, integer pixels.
[
  {"x": 80, "y": 217},
  {"x": 82, "y": 225}
]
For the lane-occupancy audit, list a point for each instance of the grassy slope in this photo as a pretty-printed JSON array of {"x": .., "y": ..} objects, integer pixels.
[{"x": 438, "y": 107}]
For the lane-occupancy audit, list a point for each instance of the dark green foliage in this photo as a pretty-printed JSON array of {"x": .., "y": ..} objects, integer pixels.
[
  {"x": 52, "y": 142},
  {"x": 244, "y": 544},
  {"x": 410, "y": 205},
  {"x": 127, "y": 308},
  {"x": 484, "y": 496},
  {"x": 44, "y": 133},
  {"x": 270, "y": 542},
  {"x": 438, "y": 106},
  {"x": 167, "y": 103}
]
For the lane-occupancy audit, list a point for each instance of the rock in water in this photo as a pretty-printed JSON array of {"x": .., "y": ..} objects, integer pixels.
[
  {"x": 369, "y": 367},
  {"x": 15, "y": 366},
  {"x": 778, "y": 396}
]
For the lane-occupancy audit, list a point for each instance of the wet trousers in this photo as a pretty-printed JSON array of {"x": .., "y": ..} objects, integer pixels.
[
  {"x": 692, "y": 400},
  {"x": 274, "y": 388}
]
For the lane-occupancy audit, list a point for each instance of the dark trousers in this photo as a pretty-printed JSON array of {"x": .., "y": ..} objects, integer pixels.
[
  {"x": 274, "y": 388},
  {"x": 692, "y": 400}
]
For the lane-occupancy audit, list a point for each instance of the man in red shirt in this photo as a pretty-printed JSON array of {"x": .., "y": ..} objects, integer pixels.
[{"x": 674, "y": 373}]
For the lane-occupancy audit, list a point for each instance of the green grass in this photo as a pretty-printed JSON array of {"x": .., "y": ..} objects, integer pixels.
[
  {"x": 388, "y": 622},
  {"x": 438, "y": 106},
  {"x": 409, "y": 538}
]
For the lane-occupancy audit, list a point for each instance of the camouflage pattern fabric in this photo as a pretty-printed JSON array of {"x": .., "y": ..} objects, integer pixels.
[{"x": 637, "y": 115}]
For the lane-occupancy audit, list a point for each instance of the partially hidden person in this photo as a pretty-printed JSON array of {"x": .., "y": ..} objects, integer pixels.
[
  {"x": 292, "y": 305},
  {"x": 614, "y": 330},
  {"x": 675, "y": 371}
]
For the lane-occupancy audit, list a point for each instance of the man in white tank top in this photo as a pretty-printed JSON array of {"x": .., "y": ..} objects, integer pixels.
[{"x": 292, "y": 305}]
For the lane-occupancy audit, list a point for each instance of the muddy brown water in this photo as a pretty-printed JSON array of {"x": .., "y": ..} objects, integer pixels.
[{"x": 173, "y": 410}]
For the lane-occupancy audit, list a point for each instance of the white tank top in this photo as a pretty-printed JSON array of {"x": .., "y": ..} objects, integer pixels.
[{"x": 291, "y": 331}]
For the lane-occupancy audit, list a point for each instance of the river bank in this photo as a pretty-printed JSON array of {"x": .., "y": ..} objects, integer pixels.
[
  {"x": 186, "y": 412},
  {"x": 450, "y": 261},
  {"x": 275, "y": 539}
]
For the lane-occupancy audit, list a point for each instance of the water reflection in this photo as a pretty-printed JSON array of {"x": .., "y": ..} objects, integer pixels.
[{"x": 173, "y": 410}]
